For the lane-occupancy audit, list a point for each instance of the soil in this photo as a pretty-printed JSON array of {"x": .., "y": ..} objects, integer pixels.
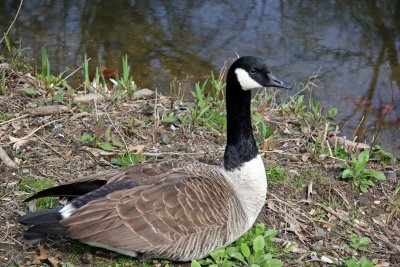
[{"x": 314, "y": 211}]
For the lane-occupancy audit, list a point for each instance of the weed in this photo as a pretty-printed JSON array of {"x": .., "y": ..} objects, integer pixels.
[
  {"x": 216, "y": 120},
  {"x": 276, "y": 173},
  {"x": 360, "y": 244},
  {"x": 127, "y": 159},
  {"x": 254, "y": 248},
  {"x": 361, "y": 176},
  {"x": 201, "y": 105},
  {"x": 5, "y": 117},
  {"x": 363, "y": 262},
  {"x": 34, "y": 185},
  {"x": 384, "y": 157},
  {"x": 263, "y": 130}
]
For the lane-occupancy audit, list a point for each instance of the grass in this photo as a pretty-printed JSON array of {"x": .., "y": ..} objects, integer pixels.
[
  {"x": 303, "y": 136},
  {"x": 276, "y": 173},
  {"x": 34, "y": 185}
]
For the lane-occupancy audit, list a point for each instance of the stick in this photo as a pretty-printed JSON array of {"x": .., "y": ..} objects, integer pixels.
[
  {"x": 14, "y": 119},
  {"x": 34, "y": 131},
  {"x": 46, "y": 110}
]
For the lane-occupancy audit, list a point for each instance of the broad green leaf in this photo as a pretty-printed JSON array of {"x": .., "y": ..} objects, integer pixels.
[
  {"x": 364, "y": 262},
  {"x": 86, "y": 137},
  {"x": 365, "y": 240},
  {"x": 238, "y": 256},
  {"x": 30, "y": 91},
  {"x": 363, "y": 188},
  {"x": 351, "y": 263},
  {"x": 271, "y": 232},
  {"x": 106, "y": 146},
  {"x": 380, "y": 176},
  {"x": 259, "y": 243},
  {"x": 362, "y": 160},
  {"x": 170, "y": 119},
  {"x": 217, "y": 254},
  {"x": 245, "y": 250},
  {"x": 274, "y": 263},
  {"x": 195, "y": 264},
  {"x": 117, "y": 143},
  {"x": 260, "y": 228},
  {"x": 347, "y": 173}
]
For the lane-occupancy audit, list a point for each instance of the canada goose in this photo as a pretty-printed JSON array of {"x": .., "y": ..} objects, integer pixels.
[{"x": 175, "y": 209}]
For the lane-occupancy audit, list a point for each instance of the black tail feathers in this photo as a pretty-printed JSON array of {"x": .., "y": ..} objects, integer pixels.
[{"x": 44, "y": 223}]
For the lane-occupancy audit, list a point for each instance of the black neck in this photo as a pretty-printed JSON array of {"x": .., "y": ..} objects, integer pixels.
[{"x": 241, "y": 146}]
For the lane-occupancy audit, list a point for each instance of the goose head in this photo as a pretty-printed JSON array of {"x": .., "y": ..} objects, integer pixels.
[
  {"x": 245, "y": 74},
  {"x": 252, "y": 73}
]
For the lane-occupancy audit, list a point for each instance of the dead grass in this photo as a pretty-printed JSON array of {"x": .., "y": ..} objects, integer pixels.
[{"x": 310, "y": 207}]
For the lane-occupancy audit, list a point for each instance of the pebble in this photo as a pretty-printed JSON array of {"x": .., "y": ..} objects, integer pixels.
[{"x": 164, "y": 139}]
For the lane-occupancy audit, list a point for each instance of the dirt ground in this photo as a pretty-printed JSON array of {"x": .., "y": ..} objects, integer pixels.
[{"x": 314, "y": 211}]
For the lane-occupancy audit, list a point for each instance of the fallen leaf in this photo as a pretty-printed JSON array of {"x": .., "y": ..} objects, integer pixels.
[
  {"x": 42, "y": 256},
  {"x": 136, "y": 149},
  {"x": 18, "y": 143},
  {"x": 99, "y": 152}
]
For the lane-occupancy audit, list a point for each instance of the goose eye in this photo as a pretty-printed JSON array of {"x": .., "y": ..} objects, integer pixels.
[{"x": 253, "y": 71}]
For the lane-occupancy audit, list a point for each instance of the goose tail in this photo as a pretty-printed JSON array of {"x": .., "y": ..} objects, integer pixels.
[{"x": 43, "y": 223}]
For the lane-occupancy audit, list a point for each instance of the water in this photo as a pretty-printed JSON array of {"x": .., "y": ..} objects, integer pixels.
[{"x": 353, "y": 45}]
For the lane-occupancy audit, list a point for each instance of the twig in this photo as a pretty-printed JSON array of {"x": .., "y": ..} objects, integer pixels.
[
  {"x": 12, "y": 23},
  {"x": 49, "y": 146},
  {"x": 6, "y": 159},
  {"x": 14, "y": 119},
  {"x": 358, "y": 227},
  {"x": 34, "y": 131},
  {"x": 72, "y": 73},
  {"x": 46, "y": 110}
]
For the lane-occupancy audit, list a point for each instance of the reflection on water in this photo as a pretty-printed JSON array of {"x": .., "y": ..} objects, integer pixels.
[{"x": 355, "y": 44}]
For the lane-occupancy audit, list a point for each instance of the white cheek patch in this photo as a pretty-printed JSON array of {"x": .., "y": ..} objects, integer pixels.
[{"x": 246, "y": 82}]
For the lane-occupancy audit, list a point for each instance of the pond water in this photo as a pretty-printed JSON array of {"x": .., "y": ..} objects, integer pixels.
[{"x": 352, "y": 45}]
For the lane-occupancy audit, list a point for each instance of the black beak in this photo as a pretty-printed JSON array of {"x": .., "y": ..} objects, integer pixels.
[{"x": 275, "y": 82}]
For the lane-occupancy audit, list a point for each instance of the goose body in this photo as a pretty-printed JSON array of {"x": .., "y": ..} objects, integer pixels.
[{"x": 174, "y": 209}]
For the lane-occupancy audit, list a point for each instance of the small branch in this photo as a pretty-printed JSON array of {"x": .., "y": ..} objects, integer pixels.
[
  {"x": 46, "y": 110},
  {"x": 14, "y": 119},
  {"x": 34, "y": 131},
  {"x": 6, "y": 159}
]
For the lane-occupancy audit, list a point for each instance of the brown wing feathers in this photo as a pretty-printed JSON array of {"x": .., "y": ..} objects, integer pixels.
[{"x": 154, "y": 217}]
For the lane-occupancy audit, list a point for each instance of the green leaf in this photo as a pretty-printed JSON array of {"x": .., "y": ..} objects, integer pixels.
[
  {"x": 245, "y": 250},
  {"x": 365, "y": 240},
  {"x": 274, "y": 263},
  {"x": 117, "y": 143},
  {"x": 195, "y": 264},
  {"x": 217, "y": 254},
  {"x": 170, "y": 119},
  {"x": 260, "y": 228},
  {"x": 347, "y": 173},
  {"x": 30, "y": 91},
  {"x": 258, "y": 243},
  {"x": 86, "y": 137},
  {"x": 364, "y": 262},
  {"x": 238, "y": 256},
  {"x": 351, "y": 263},
  {"x": 332, "y": 112},
  {"x": 380, "y": 176},
  {"x": 271, "y": 233},
  {"x": 363, "y": 188},
  {"x": 106, "y": 146}
]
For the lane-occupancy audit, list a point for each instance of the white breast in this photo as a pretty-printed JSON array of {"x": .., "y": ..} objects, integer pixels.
[{"x": 250, "y": 185}]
